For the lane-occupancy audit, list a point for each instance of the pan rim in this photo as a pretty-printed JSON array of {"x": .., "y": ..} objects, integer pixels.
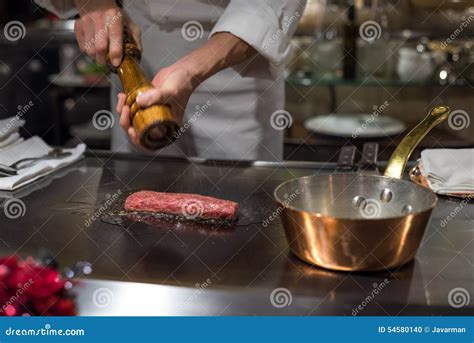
[{"x": 320, "y": 215}]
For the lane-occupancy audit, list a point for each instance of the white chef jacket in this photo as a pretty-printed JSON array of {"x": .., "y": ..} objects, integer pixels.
[{"x": 228, "y": 115}]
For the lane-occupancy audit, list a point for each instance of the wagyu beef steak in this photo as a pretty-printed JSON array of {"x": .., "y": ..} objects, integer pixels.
[{"x": 188, "y": 206}]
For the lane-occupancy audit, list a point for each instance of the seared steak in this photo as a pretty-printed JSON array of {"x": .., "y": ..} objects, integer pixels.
[{"x": 189, "y": 206}]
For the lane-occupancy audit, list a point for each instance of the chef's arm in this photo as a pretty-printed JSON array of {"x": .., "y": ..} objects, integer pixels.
[
  {"x": 267, "y": 26},
  {"x": 221, "y": 51},
  {"x": 174, "y": 84},
  {"x": 251, "y": 36}
]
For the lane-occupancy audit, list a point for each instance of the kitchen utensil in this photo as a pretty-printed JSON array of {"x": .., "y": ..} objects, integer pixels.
[
  {"x": 51, "y": 155},
  {"x": 360, "y": 222},
  {"x": 144, "y": 120},
  {"x": 355, "y": 125},
  {"x": 6, "y": 171},
  {"x": 368, "y": 161}
]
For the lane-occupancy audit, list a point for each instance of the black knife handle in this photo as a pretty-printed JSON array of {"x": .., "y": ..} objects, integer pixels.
[{"x": 345, "y": 162}]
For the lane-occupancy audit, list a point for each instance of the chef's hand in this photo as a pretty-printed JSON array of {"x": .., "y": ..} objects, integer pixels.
[
  {"x": 99, "y": 30},
  {"x": 172, "y": 86}
]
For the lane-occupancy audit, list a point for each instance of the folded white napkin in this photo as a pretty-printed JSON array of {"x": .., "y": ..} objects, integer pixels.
[
  {"x": 12, "y": 138},
  {"x": 33, "y": 147},
  {"x": 449, "y": 170},
  {"x": 10, "y": 125}
]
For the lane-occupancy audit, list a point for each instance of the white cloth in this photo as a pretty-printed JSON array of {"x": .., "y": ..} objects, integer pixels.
[
  {"x": 33, "y": 147},
  {"x": 237, "y": 123},
  {"x": 449, "y": 170}
]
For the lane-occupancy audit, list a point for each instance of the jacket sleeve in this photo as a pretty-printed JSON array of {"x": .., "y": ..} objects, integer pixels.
[
  {"x": 267, "y": 26},
  {"x": 64, "y": 9}
]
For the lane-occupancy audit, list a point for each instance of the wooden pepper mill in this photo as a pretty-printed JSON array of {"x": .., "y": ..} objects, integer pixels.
[{"x": 134, "y": 82}]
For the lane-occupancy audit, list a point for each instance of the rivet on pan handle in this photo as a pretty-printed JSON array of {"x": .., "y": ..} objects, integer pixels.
[{"x": 400, "y": 156}]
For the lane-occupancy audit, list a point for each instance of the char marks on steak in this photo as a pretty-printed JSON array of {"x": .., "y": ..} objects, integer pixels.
[{"x": 189, "y": 206}]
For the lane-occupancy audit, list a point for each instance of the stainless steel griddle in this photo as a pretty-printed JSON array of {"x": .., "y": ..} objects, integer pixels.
[{"x": 247, "y": 261}]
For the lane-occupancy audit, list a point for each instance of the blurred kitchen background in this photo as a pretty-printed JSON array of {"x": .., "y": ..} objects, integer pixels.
[{"x": 359, "y": 71}]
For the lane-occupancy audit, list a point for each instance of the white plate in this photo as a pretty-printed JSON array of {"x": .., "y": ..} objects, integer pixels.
[{"x": 355, "y": 125}]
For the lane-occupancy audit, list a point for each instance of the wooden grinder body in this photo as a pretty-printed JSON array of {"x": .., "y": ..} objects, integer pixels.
[{"x": 144, "y": 120}]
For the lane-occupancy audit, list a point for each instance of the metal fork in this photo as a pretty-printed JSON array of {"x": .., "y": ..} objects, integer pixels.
[{"x": 13, "y": 168}]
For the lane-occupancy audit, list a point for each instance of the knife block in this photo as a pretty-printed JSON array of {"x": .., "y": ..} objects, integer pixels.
[{"x": 134, "y": 82}]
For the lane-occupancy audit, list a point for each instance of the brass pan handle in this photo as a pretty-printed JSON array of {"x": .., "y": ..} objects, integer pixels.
[{"x": 398, "y": 160}]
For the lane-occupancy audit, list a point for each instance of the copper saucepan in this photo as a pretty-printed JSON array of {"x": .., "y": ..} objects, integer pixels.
[{"x": 360, "y": 222}]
